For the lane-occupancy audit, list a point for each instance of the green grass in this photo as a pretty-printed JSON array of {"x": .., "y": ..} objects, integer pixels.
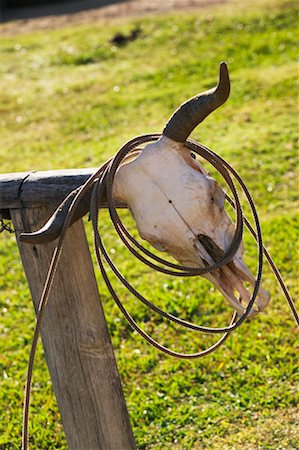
[{"x": 70, "y": 99}]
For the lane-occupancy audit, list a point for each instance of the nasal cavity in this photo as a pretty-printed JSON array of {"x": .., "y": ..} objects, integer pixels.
[{"x": 211, "y": 247}]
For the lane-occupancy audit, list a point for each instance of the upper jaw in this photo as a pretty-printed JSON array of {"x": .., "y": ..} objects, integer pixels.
[{"x": 230, "y": 278}]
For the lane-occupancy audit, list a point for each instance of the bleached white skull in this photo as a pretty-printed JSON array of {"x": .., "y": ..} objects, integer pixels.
[{"x": 175, "y": 202}]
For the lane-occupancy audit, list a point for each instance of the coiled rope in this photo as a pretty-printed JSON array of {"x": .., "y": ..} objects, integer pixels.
[{"x": 102, "y": 181}]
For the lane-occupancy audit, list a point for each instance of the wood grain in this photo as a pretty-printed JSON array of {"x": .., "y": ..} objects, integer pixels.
[
  {"x": 35, "y": 189},
  {"x": 76, "y": 341}
]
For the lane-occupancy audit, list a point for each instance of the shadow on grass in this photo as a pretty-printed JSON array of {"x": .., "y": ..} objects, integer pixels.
[{"x": 11, "y": 11}]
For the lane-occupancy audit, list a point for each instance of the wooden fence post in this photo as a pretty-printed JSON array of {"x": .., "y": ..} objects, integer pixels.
[{"x": 76, "y": 341}]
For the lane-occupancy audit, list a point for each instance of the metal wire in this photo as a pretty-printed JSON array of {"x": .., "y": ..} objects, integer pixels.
[{"x": 5, "y": 226}]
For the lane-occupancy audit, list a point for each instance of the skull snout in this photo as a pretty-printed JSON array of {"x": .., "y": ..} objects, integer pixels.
[{"x": 232, "y": 276}]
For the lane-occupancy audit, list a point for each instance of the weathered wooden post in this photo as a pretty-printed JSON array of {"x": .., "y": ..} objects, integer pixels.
[{"x": 74, "y": 333}]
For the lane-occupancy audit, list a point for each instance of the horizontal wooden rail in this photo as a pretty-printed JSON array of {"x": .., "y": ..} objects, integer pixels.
[{"x": 35, "y": 189}]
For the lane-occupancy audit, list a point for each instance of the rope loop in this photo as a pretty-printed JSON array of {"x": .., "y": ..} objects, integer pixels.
[
  {"x": 105, "y": 184},
  {"x": 102, "y": 181}
]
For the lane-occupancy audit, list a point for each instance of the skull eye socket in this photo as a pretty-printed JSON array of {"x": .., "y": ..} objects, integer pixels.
[
  {"x": 217, "y": 196},
  {"x": 218, "y": 199},
  {"x": 221, "y": 200}
]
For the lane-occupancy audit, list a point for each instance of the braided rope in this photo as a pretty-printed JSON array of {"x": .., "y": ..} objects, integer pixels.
[{"x": 103, "y": 179}]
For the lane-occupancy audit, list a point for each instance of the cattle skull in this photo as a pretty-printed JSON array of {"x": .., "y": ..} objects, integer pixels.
[
  {"x": 178, "y": 207},
  {"x": 174, "y": 201}
]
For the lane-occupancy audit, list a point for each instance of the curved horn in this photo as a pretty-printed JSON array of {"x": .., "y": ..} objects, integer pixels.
[{"x": 197, "y": 108}]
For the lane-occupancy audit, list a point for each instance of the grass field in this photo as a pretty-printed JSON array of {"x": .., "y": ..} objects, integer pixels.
[{"x": 69, "y": 99}]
